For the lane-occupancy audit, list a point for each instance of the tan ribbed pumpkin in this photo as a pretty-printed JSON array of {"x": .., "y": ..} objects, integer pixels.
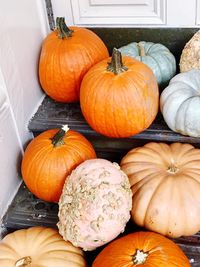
[
  {"x": 39, "y": 247},
  {"x": 165, "y": 181}
]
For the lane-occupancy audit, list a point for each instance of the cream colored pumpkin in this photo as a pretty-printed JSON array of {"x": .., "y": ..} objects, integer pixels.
[
  {"x": 39, "y": 247},
  {"x": 190, "y": 56},
  {"x": 180, "y": 103},
  {"x": 165, "y": 181}
]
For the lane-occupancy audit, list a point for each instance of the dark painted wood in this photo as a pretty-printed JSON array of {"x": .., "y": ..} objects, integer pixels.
[{"x": 52, "y": 114}]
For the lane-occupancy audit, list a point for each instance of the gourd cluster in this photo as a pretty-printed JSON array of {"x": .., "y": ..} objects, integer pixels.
[{"x": 156, "y": 185}]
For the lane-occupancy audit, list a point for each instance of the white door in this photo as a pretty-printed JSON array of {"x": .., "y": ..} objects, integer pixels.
[{"x": 130, "y": 13}]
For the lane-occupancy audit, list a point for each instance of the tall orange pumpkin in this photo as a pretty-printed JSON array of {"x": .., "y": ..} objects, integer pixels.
[
  {"x": 142, "y": 249},
  {"x": 66, "y": 55},
  {"x": 119, "y": 98},
  {"x": 49, "y": 159}
]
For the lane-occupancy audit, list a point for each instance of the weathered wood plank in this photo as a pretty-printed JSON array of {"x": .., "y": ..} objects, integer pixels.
[{"x": 26, "y": 210}]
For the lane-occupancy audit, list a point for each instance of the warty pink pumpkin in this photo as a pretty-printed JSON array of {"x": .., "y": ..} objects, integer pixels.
[{"x": 95, "y": 204}]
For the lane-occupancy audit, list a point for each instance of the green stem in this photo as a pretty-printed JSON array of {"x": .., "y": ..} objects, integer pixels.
[
  {"x": 63, "y": 30},
  {"x": 57, "y": 140},
  {"x": 116, "y": 65}
]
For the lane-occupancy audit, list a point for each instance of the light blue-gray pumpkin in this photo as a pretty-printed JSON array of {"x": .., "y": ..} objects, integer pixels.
[{"x": 157, "y": 56}]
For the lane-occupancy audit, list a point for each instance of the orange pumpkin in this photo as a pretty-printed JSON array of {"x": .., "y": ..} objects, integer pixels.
[
  {"x": 66, "y": 55},
  {"x": 39, "y": 247},
  {"x": 120, "y": 98},
  {"x": 142, "y": 249},
  {"x": 165, "y": 181},
  {"x": 49, "y": 159}
]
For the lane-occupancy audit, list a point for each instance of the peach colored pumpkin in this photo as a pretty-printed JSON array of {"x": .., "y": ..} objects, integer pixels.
[
  {"x": 165, "y": 181},
  {"x": 39, "y": 247},
  {"x": 95, "y": 204}
]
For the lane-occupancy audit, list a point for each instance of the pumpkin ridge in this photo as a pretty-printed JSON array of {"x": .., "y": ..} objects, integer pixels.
[
  {"x": 38, "y": 232},
  {"x": 185, "y": 82},
  {"x": 158, "y": 69},
  {"x": 73, "y": 250},
  {"x": 145, "y": 181},
  {"x": 106, "y": 96},
  {"x": 32, "y": 157},
  {"x": 183, "y": 115},
  {"x": 168, "y": 60},
  {"x": 87, "y": 94},
  {"x": 156, "y": 189},
  {"x": 155, "y": 150},
  {"x": 133, "y": 81},
  {"x": 66, "y": 253},
  {"x": 74, "y": 72},
  {"x": 51, "y": 71},
  {"x": 9, "y": 248},
  {"x": 59, "y": 91},
  {"x": 163, "y": 67},
  {"x": 192, "y": 178}
]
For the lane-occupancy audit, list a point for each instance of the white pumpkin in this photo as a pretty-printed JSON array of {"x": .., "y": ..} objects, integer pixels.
[
  {"x": 156, "y": 56},
  {"x": 180, "y": 103}
]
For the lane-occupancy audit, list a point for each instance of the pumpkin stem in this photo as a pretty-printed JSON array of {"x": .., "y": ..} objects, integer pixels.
[
  {"x": 57, "y": 140},
  {"x": 141, "y": 50},
  {"x": 173, "y": 169},
  {"x": 63, "y": 30},
  {"x": 23, "y": 262},
  {"x": 116, "y": 65},
  {"x": 139, "y": 257}
]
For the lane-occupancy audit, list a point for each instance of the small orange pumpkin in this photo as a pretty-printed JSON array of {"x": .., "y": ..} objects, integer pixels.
[
  {"x": 66, "y": 55},
  {"x": 49, "y": 159},
  {"x": 119, "y": 98},
  {"x": 142, "y": 249}
]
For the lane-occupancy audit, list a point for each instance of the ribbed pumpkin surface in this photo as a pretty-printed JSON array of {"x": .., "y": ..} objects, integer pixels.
[
  {"x": 45, "y": 166},
  {"x": 39, "y": 247},
  {"x": 165, "y": 181},
  {"x": 142, "y": 249},
  {"x": 64, "y": 62},
  {"x": 119, "y": 105}
]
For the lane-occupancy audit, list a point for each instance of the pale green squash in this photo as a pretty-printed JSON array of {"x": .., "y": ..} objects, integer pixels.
[
  {"x": 157, "y": 56},
  {"x": 180, "y": 103}
]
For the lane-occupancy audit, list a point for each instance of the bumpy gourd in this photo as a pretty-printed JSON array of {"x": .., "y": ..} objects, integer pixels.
[
  {"x": 157, "y": 56},
  {"x": 95, "y": 204},
  {"x": 190, "y": 56}
]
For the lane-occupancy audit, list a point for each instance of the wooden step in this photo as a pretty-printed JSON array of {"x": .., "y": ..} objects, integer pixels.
[
  {"x": 26, "y": 210},
  {"x": 52, "y": 114}
]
